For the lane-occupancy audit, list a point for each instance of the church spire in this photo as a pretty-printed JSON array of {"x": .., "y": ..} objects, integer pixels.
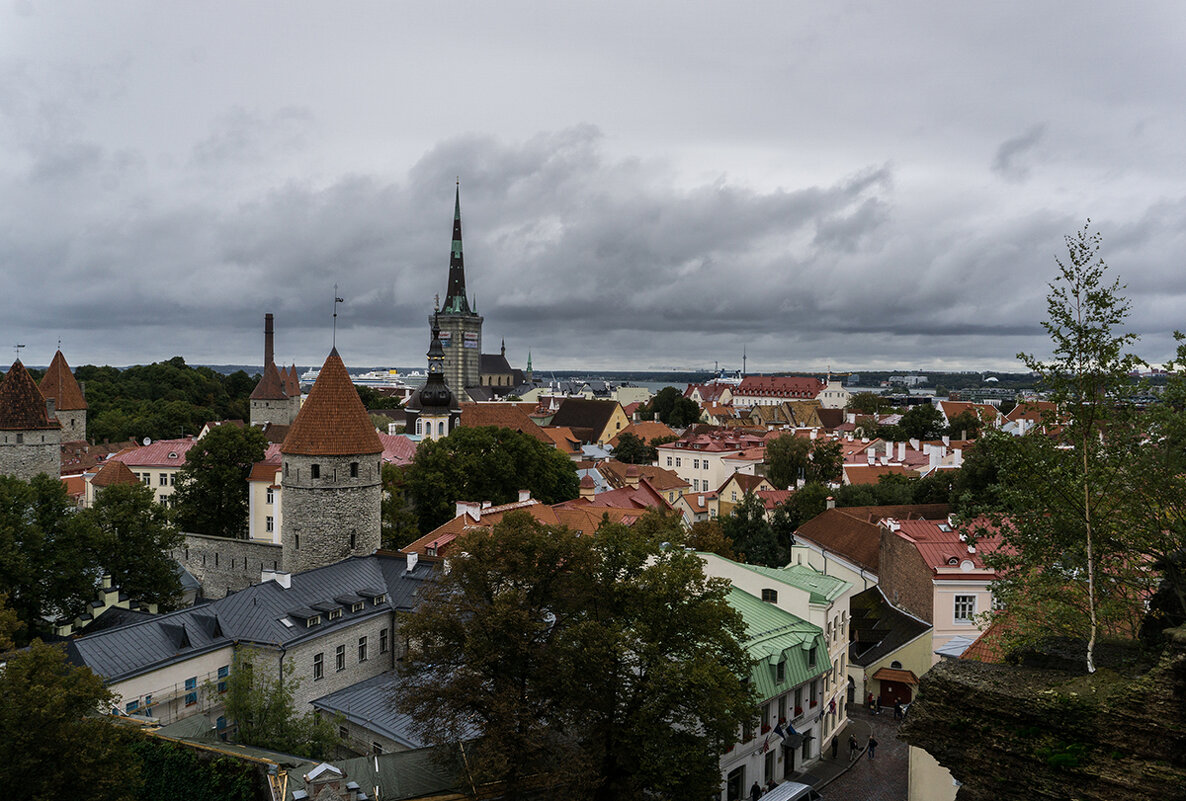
[{"x": 455, "y": 300}]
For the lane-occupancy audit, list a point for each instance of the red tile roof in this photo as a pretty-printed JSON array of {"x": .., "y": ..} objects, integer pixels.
[
  {"x": 646, "y": 430},
  {"x": 59, "y": 383},
  {"x": 22, "y": 406},
  {"x": 114, "y": 472},
  {"x": 872, "y": 473},
  {"x": 292, "y": 382},
  {"x": 271, "y": 386},
  {"x": 942, "y": 549},
  {"x": 502, "y": 415},
  {"x": 332, "y": 421},
  {"x": 398, "y": 449},
  {"x": 775, "y": 386},
  {"x": 853, "y": 532},
  {"x": 162, "y": 453}
]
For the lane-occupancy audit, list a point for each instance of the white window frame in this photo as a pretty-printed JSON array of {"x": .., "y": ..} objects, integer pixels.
[{"x": 965, "y": 604}]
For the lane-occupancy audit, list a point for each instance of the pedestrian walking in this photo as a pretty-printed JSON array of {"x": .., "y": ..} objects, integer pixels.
[
  {"x": 755, "y": 792},
  {"x": 835, "y": 746},
  {"x": 853, "y": 747},
  {"x": 898, "y": 711},
  {"x": 872, "y": 746}
]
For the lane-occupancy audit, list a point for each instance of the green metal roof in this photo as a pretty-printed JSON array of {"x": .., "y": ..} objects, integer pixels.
[
  {"x": 774, "y": 635},
  {"x": 823, "y": 588}
]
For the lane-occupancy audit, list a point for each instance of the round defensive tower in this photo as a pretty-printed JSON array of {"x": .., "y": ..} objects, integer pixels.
[
  {"x": 330, "y": 478},
  {"x": 62, "y": 390},
  {"x": 30, "y": 435}
]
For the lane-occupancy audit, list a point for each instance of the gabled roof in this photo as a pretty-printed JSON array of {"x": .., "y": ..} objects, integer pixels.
[
  {"x": 22, "y": 406},
  {"x": 773, "y": 635},
  {"x": 780, "y": 386},
  {"x": 271, "y": 386},
  {"x": 332, "y": 421},
  {"x": 745, "y": 482},
  {"x": 660, "y": 478},
  {"x": 59, "y": 384},
  {"x": 821, "y": 587},
  {"x": 398, "y": 449},
  {"x": 494, "y": 364},
  {"x": 501, "y": 415},
  {"x": 853, "y": 533},
  {"x": 113, "y": 472},
  {"x": 162, "y": 453},
  {"x": 563, "y": 438},
  {"x": 877, "y": 628},
  {"x": 370, "y": 704},
  {"x": 872, "y": 473},
  {"x": 578, "y": 413},
  {"x": 645, "y": 430}
]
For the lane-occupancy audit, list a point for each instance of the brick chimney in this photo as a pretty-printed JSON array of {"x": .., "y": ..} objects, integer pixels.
[{"x": 269, "y": 336}]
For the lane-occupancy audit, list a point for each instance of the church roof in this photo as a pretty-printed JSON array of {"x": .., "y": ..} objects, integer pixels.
[
  {"x": 22, "y": 406},
  {"x": 332, "y": 421},
  {"x": 59, "y": 384},
  {"x": 455, "y": 299},
  {"x": 271, "y": 386},
  {"x": 494, "y": 364}
]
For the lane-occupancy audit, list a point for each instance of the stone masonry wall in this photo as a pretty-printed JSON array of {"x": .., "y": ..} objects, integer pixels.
[
  {"x": 37, "y": 452},
  {"x": 355, "y": 671},
  {"x": 333, "y": 516},
  {"x": 73, "y": 424},
  {"x": 224, "y": 565},
  {"x": 462, "y": 364},
  {"x": 280, "y": 412},
  {"x": 905, "y": 578}
]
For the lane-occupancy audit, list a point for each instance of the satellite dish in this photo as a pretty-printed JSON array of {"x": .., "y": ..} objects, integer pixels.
[{"x": 147, "y": 440}]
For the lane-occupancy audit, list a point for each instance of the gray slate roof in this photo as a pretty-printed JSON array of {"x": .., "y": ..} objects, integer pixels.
[
  {"x": 254, "y": 615},
  {"x": 878, "y": 628},
  {"x": 370, "y": 704}
]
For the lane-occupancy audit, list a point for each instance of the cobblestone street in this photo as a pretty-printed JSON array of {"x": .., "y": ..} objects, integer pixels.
[{"x": 880, "y": 779}]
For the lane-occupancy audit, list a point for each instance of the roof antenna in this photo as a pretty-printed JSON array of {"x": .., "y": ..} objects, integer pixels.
[
  {"x": 59, "y": 343},
  {"x": 337, "y": 300}
]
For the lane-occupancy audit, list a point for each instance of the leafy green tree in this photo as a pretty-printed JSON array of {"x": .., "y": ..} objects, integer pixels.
[
  {"x": 965, "y": 425},
  {"x": 975, "y": 485},
  {"x": 604, "y": 667},
  {"x": 54, "y": 744},
  {"x": 923, "y": 421},
  {"x": 708, "y": 536},
  {"x": 485, "y": 464},
  {"x": 804, "y": 504},
  {"x": 633, "y": 450},
  {"x": 211, "y": 495},
  {"x": 136, "y": 538},
  {"x": 260, "y": 704},
  {"x": 670, "y": 406},
  {"x": 1066, "y": 497},
  {"x": 49, "y": 555},
  {"x": 827, "y": 462},
  {"x": 396, "y": 517},
  {"x": 789, "y": 458},
  {"x": 753, "y": 536},
  {"x": 868, "y": 403}
]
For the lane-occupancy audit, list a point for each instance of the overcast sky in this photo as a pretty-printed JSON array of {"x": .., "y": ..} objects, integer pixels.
[{"x": 643, "y": 185}]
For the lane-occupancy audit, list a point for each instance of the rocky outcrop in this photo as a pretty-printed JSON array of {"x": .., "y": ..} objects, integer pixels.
[{"x": 1009, "y": 732}]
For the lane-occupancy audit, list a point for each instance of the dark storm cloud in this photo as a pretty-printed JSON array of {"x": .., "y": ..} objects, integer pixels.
[{"x": 1012, "y": 159}]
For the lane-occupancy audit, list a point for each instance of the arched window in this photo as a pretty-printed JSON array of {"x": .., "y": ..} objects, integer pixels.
[
  {"x": 441, "y": 429},
  {"x": 419, "y": 427}
]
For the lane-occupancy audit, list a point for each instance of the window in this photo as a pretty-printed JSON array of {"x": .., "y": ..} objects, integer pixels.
[
  {"x": 357, "y": 606},
  {"x": 780, "y": 672},
  {"x": 378, "y": 599},
  {"x": 669, "y": 461},
  {"x": 271, "y": 497},
  {"x": 313, "y": 621},
  {"x": 334, "y": 614},
  {"x": 383, "y": 641},
  {"x": 362, "y": 649},
  {"x": 419, "y": 427},
  {"x": 340, "y": 658},
  {"x": 147, "y": 479},
  {"x": 765, "y": 716},
  {"x": 798, "y": 701},
  {"x": 131, "y": 706},
  {"x": 352, "y": 540},
  {"x": 441, "y": 429},
  {"x": 315, "y": 471},
  {"x": 191, "y": 691},
  {"x": 354, "y": 469},
  {"x": 965, "y": 608},
  {"x": 811, "y": 656},
  {"x": 298, "y": 541},
  {"x": 269, "y": 523},
  {"x": 376, "y": 748},
  {"x": 318, "y": 666},
  {"x": 163, "y": 480},
  {"x": 733, "y": 495},
  {"x": 223, "y": 672},
  {"x": 769, "y": 766},
  {"x": 172, "y": 479},
  {"x": 770, "y": 596},
  {"x": 782, "y": 708},
  {"x": 677, "y": 461}
]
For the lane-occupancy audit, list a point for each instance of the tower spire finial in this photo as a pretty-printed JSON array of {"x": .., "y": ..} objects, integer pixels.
[
  {"x": 337, "y": 300},
  {"x": 455, "y": 298}
]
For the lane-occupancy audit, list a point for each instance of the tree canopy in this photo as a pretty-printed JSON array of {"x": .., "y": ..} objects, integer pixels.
[
  {"x": 633, "y": 450},
  {"x": 923, "y": 421},
  {"x": 790, "y": 458},
  {"x": 756, "y": 539},
  {"x": 485, "y": 464},
  {"x": 211, "y": 494},
  {"x": 603, "y": 667},
  {"x": 671, "y": 407}
]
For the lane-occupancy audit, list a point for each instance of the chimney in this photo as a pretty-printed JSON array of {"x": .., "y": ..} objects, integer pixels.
[
  {"x": 814, "y": 433},
  {"x": 588, "y": 487},
  {"x": 413, "y": 558},
  {"x": 471, "y": 508},
  {"x": 871, "y": 454},
  {"x": 831, "y": 502},
  {"x": 957, "y": 457},
  {"x": 524, "y": 495},
  {"x": 269, "y": 335},
  {"x": 901, "y": 451},
  {"x": 632, "y": 473}
]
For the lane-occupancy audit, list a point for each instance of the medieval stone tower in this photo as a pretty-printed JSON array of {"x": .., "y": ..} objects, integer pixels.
[
  {"x": 277, "y": 397},
  {"x": 30, "y": 435},
  {"x": 330, "y": 478},
  {"x": 460, "y": 327},
  {"x": 59, "y": 387}
]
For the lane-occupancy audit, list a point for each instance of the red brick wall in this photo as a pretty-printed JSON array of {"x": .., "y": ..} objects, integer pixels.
[{"x": 904, "y": 577}]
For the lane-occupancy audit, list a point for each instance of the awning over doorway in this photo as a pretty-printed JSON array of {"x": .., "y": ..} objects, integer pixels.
[{"x": 900, "y": 676}]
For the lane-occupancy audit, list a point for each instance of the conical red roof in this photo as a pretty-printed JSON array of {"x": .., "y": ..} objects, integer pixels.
[
  {"x": 292, "y": 382},
  {"x": 114, "y": 472},
  {"x": 59, "y": 384},
  {"x": 22, "y": 406},
  {"x": 271, "y": 386},
  {"x": 332, "y": 421}
]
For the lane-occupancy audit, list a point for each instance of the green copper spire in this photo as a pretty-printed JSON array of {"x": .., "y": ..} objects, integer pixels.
[{"x": 455, "y": 300}]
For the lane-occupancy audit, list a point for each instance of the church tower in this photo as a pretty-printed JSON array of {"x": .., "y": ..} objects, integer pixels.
[
  {"x": 330, "y": 475},
  {"x": 433, "y": 411},
  {"x": 59, "y": 387},
  {"x": 30, "y": 435},
  {"x": 460, "y": 326}
]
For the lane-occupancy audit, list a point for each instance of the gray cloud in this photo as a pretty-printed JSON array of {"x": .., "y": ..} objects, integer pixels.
[{"x": 1013, "y": 158}]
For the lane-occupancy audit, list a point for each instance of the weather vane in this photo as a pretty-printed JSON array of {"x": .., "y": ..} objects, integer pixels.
[
  {"x": 436, "y": 301},
  {"x": 17, "y": 348},
  {"x": 337, "y": 300}
]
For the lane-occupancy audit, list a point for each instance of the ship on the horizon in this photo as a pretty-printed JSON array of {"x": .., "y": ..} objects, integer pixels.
[{"x": 386, "y": 377}]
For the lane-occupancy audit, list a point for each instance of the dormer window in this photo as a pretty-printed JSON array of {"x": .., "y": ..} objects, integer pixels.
[
  {"x": 356, "y": 607},
  {"x": 378, "y": 599},
  {"x": 769, "y": 595},
  {"x": 780, "y": 672},
  {"x": 313, "y": 621},
  {"x": 953, "y": 561},
  {"x": 334, "y": 614}
]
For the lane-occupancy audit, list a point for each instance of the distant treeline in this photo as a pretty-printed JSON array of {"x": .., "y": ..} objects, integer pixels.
[{"x": 162, "y": 400}]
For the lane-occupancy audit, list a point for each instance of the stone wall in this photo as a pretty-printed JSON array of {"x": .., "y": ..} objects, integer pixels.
[
  {"x": 332, "y": 516},
  {"x": 462, "y": 364},
  {"x": 25, "y": 454},
  {"x": 224, "y": 565},
  {"x": 73, "y": 424},
  {"x": 905, "y": 578},
  {"x": 1014, "y": 733},
  {"x": 280, "y": 412},
  {"x": 332, "y": 679}
]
